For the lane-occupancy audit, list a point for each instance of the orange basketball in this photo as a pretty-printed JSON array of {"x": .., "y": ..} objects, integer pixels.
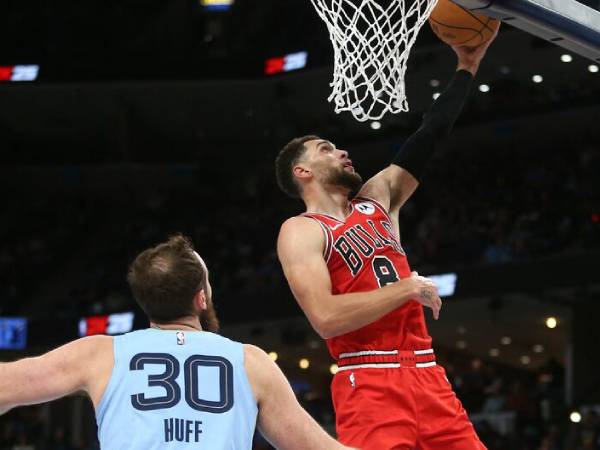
[{"x": 456, "y": 25}]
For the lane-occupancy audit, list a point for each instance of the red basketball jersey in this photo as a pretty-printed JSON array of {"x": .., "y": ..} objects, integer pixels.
[{"x": 363, "y": 253}]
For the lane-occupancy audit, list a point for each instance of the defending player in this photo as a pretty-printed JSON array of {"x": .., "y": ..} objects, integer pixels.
[
  {"x": 345, "y": 266},
  {"x": 172, "y": 385}
]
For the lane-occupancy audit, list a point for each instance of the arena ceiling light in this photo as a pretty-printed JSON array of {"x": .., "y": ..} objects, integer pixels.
[
  {"x": 551, "y": 322},
  {"x": 494, "y": 352},
  {"x": 434, "y": 83},
  {"x": 525, "y": 360},
  {"x": 593, "y": 68},
  {"x": 333, "y": 369},
  {"x": 273, "y": 356},
  {"x": 484, "y": 88},
  {"x": 436, "y": 95},
  {"x": 537, "y": 78},
  {"x": 566, "y": 58},
  {"x": 575, "y": 417},
  {"x": 304, "y": 363},
  {"x": 375, "y": 125},
  {"x": 505, "y": 340}
]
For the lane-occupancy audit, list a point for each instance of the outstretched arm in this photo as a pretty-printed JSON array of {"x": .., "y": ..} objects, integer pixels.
[
  {"x": 396, "y": 183},
  {"x": 58, "y": 373},
  {"x": 300, "y": 250}
]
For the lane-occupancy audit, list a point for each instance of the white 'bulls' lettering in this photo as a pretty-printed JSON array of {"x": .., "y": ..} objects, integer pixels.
[{"x": 357, "y": 244}]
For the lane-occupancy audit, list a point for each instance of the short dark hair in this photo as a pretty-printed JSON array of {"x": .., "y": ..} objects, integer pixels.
[
  {"x": 165, "y": 279},
  {"x": 285, "y": 161}
]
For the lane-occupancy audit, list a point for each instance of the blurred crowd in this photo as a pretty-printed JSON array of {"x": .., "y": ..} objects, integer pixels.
[
  {"x": 511, "y": 409},
  {"x": 472, "y": 208},
  {"x": 67, "y": 254},
  {"x": 519, "y": 203},
  {"x": 31, "y": 428}
]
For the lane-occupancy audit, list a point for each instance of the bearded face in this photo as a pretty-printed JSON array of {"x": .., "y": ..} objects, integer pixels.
[
  {"x": 343, "y": 176},
  {"x": 208, "y": 317}
]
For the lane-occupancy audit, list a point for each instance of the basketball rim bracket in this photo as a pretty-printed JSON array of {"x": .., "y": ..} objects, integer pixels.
[{"x": 567, "y": 23}]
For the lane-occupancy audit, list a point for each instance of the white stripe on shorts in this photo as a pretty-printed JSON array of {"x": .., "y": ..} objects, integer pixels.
[
  {"x": 370, "y": 366},
  {"x": 385, "y": 366},
  {"x": 368, "y": 352},
  {"x": 424, "y": 352},
  {"x": 426, "y": 364}
]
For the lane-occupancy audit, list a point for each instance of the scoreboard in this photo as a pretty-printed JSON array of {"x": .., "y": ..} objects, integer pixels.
[
  {"x": 13, "y": 333},
  {"x": 106, "y": 324},
  {"x": 19, "y": 72},
  {"x": 217, "y": 5}
]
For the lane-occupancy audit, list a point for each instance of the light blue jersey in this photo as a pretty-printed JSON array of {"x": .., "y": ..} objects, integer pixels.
[{"x": 177, "y": 390}]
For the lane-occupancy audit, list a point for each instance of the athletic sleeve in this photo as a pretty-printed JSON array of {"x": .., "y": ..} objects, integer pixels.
[{"x": 437, "y": 124}]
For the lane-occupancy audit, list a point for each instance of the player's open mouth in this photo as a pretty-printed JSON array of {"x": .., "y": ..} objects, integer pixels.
[{"x": 348, "y": 165}]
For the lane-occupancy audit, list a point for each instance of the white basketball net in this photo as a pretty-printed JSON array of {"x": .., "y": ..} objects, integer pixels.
[{"x": 371, "y": 44}]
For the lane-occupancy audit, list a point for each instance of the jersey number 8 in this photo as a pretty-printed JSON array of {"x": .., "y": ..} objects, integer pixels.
[{"x": 384, "y": 271}]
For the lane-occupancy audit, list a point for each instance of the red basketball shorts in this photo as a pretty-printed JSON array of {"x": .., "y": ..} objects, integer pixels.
[{"x": 400, "y": 408}]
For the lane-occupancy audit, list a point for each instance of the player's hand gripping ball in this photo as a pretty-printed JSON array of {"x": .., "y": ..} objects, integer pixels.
[{"x": 457, "y": 26}]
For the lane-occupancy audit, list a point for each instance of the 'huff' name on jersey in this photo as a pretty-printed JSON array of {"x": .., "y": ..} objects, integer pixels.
[{"x": 182, "y": 430}]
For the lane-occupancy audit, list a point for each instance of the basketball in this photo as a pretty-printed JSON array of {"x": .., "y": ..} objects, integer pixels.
[{"x": 456, "y": 25}]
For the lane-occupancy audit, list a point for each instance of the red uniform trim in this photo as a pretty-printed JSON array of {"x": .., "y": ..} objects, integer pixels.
[
  {"x": 327, "y": 233},
  {"x": 331, "y": 217},
  {"x": 406, "y": 358}
]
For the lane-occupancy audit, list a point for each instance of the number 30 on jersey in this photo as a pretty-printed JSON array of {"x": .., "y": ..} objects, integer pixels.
[{"x": 168, "y": 381}]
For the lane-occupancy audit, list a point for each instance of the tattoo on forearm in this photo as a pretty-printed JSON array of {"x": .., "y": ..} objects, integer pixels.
[{"x": 426, "y": 294}]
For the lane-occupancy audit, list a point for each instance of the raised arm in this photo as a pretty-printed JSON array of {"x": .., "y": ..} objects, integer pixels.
[
  {"x": 394, "y": 185},
  {"x": 300, "y": 249},
  {"x": 281, "y": 419},
  {"x": 60, "y": 372}
]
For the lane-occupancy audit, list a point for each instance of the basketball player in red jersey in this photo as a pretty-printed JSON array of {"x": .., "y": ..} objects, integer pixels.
[{"x": 347, "y": 269}]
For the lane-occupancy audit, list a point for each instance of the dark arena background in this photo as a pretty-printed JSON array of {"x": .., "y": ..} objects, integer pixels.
[{"x": 122, "y": 122}]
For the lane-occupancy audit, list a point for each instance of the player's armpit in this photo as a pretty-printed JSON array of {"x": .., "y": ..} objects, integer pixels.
[
  {"x": 281, "y": 419},
  {"x": 391, "y": 187},
  {"x": 60, "y": 372},
  {"x": 300, "y": 249}
]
